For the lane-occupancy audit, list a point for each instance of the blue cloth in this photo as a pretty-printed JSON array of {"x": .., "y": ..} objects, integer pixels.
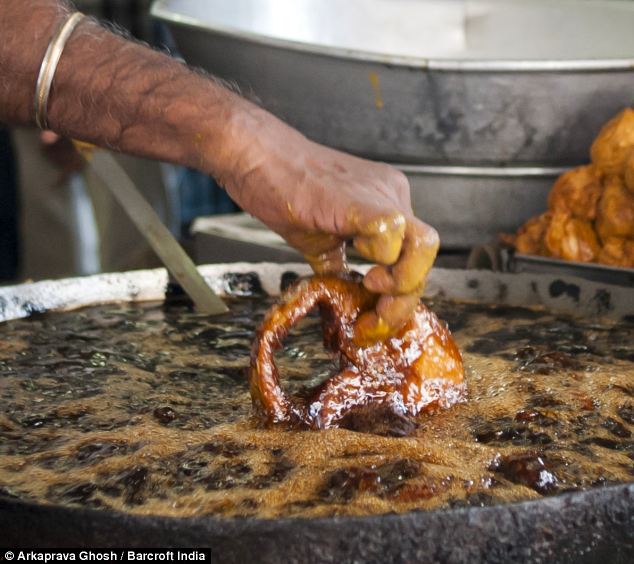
[
  {"x": 9, "y": 250},
  {"x": 201, "y": 195}
]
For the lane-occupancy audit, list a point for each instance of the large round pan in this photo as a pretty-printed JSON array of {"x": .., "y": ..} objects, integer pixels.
[
  {"x": 426, "y": 82},
  {"x": 591, "y": 526}
]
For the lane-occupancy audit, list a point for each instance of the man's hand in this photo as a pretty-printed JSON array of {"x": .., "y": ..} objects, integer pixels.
[
  {"x": 317, "y": 198},
  {"x": 114, "y": 93}
]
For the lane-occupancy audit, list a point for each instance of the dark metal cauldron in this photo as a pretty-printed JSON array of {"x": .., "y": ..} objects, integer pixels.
[{"x": 590, "y": 526}]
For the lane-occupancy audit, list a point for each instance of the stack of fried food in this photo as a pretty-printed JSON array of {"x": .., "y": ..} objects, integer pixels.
[{"x": 590, "y": 215}]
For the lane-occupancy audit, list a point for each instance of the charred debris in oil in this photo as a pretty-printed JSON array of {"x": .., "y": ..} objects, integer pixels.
[{"x": 73, "y": 356}]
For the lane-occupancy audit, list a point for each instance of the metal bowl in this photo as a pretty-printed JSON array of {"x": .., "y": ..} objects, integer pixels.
[
  {"x": 473, "y": 205},
  {"x": 424, "y": 81}
]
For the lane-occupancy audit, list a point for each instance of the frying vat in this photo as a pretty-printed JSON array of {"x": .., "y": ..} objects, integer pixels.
[{"x": 591, "y": 526}]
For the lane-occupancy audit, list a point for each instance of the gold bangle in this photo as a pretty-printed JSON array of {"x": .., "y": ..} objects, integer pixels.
[{"x": 49, "y": 66}]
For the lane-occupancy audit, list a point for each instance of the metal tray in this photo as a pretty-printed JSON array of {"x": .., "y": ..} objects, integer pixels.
[
  {"x": 589, "y": 271},
  {"x": 432, "y": 82},
  {"x": 501, "y": 258}
]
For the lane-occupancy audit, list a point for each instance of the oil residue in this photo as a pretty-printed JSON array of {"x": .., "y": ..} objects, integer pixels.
[
  {"x": 145, "y": 409},
  {"x": 375, "y": 82}
]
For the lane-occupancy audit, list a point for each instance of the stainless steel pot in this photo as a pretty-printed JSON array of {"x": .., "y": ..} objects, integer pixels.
[
  {"x": 472, "y": 205},
  {"x": 424, "y": 81}
]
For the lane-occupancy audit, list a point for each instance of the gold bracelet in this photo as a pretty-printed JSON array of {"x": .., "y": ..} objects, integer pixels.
[{"x": 49, "y": 66}]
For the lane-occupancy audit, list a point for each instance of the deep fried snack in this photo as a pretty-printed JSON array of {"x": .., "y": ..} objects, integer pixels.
[
  {"x": 617, "y": 251},
  {"x": 628, "y": 175},
  {"x": 530, "y": 236},
  {"x": 615, "y": 212},
  {"x": 591, "y": 208},
  {"x": 612, "y": 146},
  {"x": 577, "y": 192},
  {"x": 416, "y": 370},
  {"x": 569, "y": 238}
]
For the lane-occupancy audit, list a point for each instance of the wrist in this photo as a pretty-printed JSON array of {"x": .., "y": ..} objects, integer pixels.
[
  {"x": 233, "y": 134},
  {"x": 20, "y": 64},
  {"x": 249, "y": 138}
]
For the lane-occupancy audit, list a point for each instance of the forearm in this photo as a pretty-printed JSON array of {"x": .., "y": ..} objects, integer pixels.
[{"x": 116, "y": 93}]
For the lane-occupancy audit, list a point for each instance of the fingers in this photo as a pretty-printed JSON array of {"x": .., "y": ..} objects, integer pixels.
[
  {"x": 390, "y": 315},
  {"x": 417, "y": 257},
  {"x": 380, "y": 239},
  {"x": 418, "y": 252},
  {"x": 401, "y": 284},
  {"x": 331, "y": 261},
  {"x": 325, "y": 253}
]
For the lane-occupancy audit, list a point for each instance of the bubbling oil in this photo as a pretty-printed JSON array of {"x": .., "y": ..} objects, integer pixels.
[{"x": 145, "y": 409}]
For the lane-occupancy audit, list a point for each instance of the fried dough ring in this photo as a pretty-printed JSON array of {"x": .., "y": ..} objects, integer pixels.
[{"x": 418, "y": 369}]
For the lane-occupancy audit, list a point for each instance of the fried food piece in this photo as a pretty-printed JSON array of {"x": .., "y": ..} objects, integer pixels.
[
  {"x": 569, "y": 238},
  {"x": 611, "y": 148},
  {"x": 628, "y": 175},
  {"x": 615, "y": 212},
  {"x": 617, "y": 251},
  {"x": 416, "y": 370},
  {"x": 529, "y": 239},
  {"x": 577, "y": 192},
  {"x": 590, "y": 205}
]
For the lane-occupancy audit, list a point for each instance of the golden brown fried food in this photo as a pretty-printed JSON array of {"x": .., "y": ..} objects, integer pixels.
[
  {"x": 590, "y": 205},
  {"x": 570, "y": 238},
  {"x": 419, "y": 368},
  {"x": 618, "y": 251},
  {"x": 615, "y": 212},
  {"x": 577, "y": 192},
  {"x": 628, "y": 175},
  {"x": 612, "y": 146},
  {"x": 530, "y": 236}
]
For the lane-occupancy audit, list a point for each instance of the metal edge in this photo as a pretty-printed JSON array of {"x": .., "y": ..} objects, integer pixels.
[
  {"x": 567, "y": 294},
  {"x": 235, "y": 525},
  {"x": 20, "y": 301},
  {"x": 547, "y": 261},
  {"x": 596, "y": 272},
  {"x": 161, "y": 12},
  {"x": 505, "y": 172}
]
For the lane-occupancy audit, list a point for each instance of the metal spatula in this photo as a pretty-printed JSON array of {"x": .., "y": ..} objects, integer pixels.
[{"x": 156, "y": 234}]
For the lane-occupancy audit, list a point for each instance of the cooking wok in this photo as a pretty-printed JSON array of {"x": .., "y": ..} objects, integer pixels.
[{"x": 589, "y": 526}]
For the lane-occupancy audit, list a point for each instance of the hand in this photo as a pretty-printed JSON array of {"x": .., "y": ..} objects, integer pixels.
[{"x": 317, "y": 198}]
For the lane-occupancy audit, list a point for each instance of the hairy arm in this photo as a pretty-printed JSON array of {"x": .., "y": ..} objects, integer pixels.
[
  {"x": 119, "y": 94},
  {"x": 114, "y": 92}
]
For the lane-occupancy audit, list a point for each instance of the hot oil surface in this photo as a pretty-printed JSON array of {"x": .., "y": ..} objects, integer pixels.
[{"x": 146, "y": 409}]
